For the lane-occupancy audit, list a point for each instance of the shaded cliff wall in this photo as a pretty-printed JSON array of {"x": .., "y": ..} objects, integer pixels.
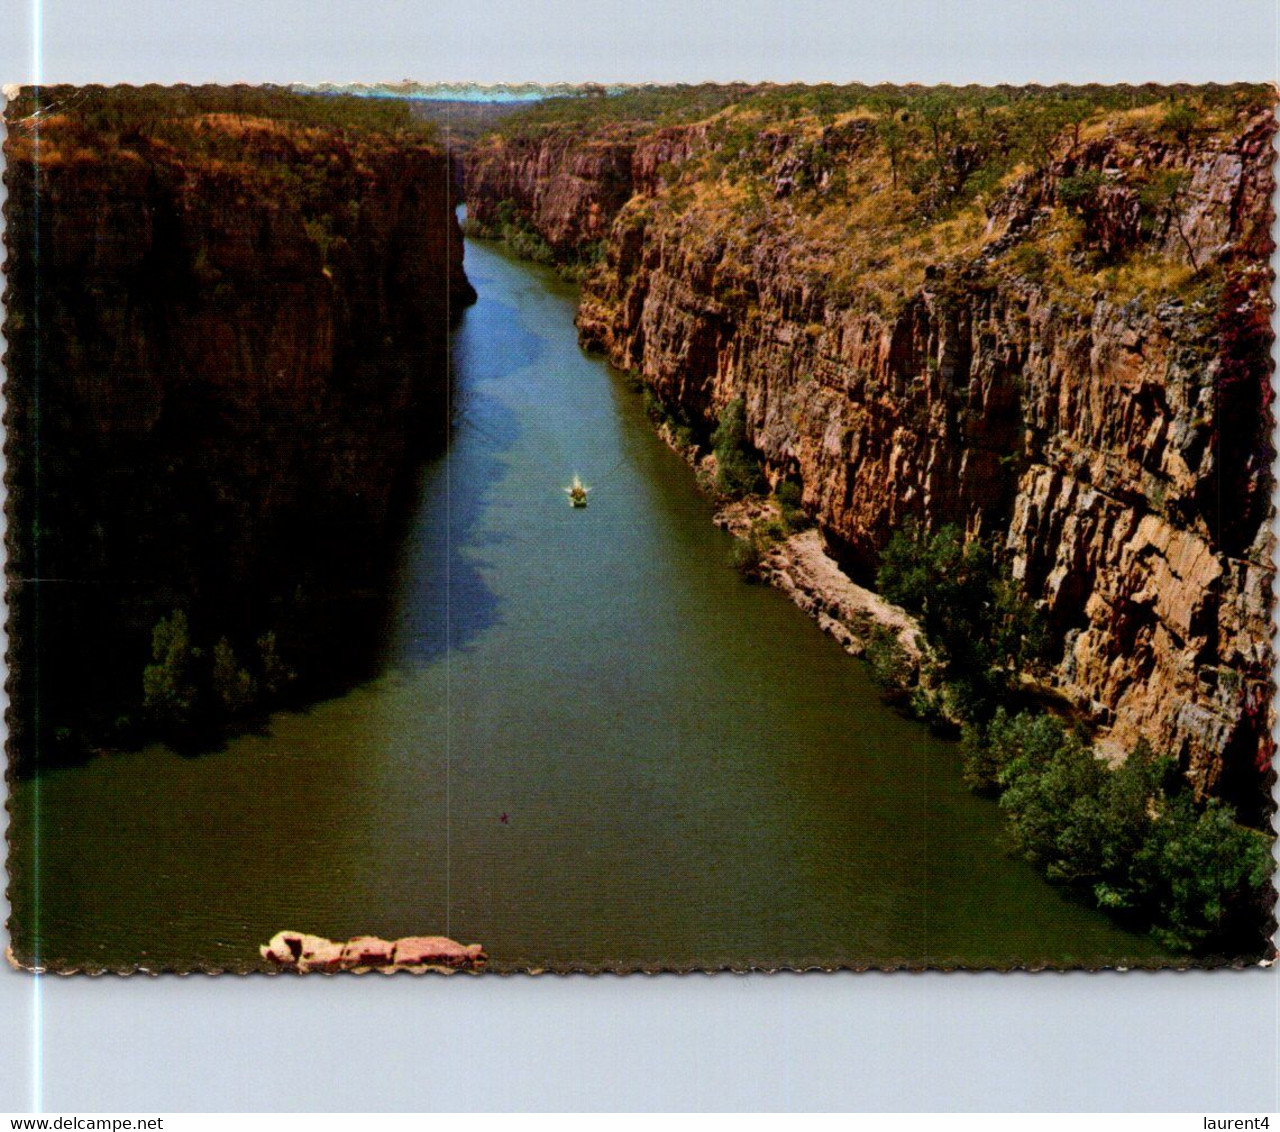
[
  {"x": 569, "y": 186},
  {"x": 1115, "y": 443},
  {"x": 225, "y": 350}
]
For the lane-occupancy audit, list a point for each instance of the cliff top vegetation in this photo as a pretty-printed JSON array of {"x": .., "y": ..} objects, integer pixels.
[
  {"x": 1081, "y": 189},
  {"x": 678, "y": 104},
  {"x": 217, "y": 124},
  {"x": 630, "y": 111}
]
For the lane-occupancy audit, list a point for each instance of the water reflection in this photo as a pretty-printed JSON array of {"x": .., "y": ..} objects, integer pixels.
[{"x": 441, "y": 599}]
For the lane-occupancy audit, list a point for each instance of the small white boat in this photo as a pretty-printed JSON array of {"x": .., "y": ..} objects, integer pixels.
[{"x": 577, "y": 493}]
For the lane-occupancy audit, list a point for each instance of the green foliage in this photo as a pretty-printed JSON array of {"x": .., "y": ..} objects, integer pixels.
[
  {"x": 275, "y": 676},
  {"x": 631, "y": 107},
  {"x": 737, "y": 470},
  {"x": 1080, "y": 192},
  {"x": 517, "y": 230},
  {"x": 1164, "y": 190},
  {"x": 529, "y": 244},
  {"x": 168, "y": 683},
  {"x": 790, "y": 498},
  {"x": 765, "y": 533},
  {"x": 582, "y": 260},
  {"x": 891, "y": 668},
  {"x": 1182, "y": 121},
  {"x": 1132, "y": 839},
  {"x": 814, "y": 161},
  {"x": 319, "y": 231},
  {"x": 1031, "y": 261},
  {"x": 896, "y": 138},
  {"x": 186, "y": 691},
  {"x": 1083, "y": 195},
  {"x": 938, "y": 111},
  {"x": 748, "y": 554},
  {"x": 681, "y": 431},
  {"x": 974, "y": 615},
  {"x": 1028, "y": 738},
  {"x": 772, "y": 530},
  {"x": 788, "y": 495},
  {"x": 654, "y": 408},
  {"x": 1075, "y": 113},
  {"x": 914, "y": 564},
  {"x": 235, "y": 688},
  {"x": 106, "y": 110},
  {"x": 826, "y": 103},
  {"x": 1039, "y": 127},
  {"x": 1016, "y": 627},
  {"x": 1206, "y": 878},
  {"x": 1052, "y": 793},
  {"x": 1162, "y": 200}
]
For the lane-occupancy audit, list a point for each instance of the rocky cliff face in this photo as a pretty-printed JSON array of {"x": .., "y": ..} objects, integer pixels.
[
  {"x": 569, "y": 187},
  {"x": 1113, "y": 442},
  {"x": 226, "y": 341}
]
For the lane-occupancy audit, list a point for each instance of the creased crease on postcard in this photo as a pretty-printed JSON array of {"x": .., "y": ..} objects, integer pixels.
[{"x": 406, "y": 485}]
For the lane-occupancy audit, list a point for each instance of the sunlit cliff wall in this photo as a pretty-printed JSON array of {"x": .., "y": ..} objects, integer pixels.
[{"x": 1083, "y": 380}]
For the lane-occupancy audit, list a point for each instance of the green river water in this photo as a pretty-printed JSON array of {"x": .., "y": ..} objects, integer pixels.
[{"x": 692, "y": 774}]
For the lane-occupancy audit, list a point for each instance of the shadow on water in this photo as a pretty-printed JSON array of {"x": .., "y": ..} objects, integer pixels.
[
  {"x": 427, "y": 595},
  {"x": 419, "y": 576},
  {"x": 439, "y": 597}
]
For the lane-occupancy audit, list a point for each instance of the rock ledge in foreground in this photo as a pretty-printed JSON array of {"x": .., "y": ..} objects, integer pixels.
[{"x": 297, "y": 951}]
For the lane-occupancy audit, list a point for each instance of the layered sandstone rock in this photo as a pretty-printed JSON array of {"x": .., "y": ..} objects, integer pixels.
[
  {"x": 801, "y": 567},
  {"x": 571, "y": 187}
]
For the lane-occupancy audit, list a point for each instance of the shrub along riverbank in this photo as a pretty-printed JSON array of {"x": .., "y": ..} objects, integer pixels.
[
  {"x": 1130, "y": 838},
  {"x": 518, "y": 233}
]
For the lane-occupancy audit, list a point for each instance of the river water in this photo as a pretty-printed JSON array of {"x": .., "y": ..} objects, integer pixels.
[{"x": 592, "y": 743}]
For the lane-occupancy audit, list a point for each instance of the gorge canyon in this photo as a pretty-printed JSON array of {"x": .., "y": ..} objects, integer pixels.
[{"x": 1045, "y": 370}]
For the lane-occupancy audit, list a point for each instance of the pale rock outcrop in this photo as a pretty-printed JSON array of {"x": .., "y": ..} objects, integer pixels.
[{"x": 304, "y": 953}]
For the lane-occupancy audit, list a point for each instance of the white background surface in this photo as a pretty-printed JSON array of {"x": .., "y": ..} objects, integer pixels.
[{"x": 1191, "y": 1042}]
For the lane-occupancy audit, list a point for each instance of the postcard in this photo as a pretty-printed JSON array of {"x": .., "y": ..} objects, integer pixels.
[{"x": 650, "y": 528}]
